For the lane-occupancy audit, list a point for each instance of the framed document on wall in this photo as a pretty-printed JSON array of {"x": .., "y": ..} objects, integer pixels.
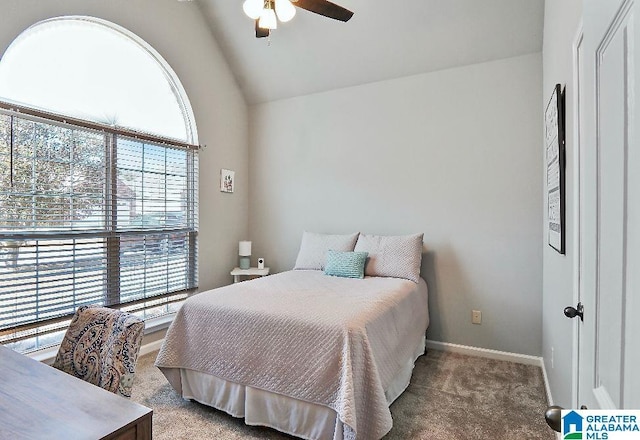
[{"x": 554, "y": 137}]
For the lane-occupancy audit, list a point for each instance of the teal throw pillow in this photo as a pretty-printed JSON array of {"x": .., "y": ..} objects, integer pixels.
[{"x": 345, "y": 264}]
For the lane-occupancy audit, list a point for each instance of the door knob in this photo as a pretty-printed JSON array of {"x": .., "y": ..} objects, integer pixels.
[
  {"x": 553, "y": 416},
  {"x": 571, "y": 312}
]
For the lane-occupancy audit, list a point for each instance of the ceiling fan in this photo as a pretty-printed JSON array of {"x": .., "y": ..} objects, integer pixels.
[{"x": 264, "y": 12}]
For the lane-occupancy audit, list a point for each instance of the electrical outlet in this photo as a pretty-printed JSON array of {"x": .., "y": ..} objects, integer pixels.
[{"x": 476, "y": 317}]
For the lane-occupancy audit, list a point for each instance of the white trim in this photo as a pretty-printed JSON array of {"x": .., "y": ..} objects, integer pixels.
[
  {"x": 48, "y": 354},
  {"x": 434, "y": 345},
  {"x": 578, "y": 203},
  {"x": 497, "y": 355},
  {"x": 603, "y": 398},
  {"x": 547, "y": 387},
  {"x": 151, "y": 347},
  {"x": 160, "y": 323},
  {"x": 486, "y": 353}
]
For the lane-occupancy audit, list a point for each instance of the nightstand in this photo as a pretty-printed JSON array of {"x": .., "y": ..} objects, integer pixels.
[{"x": 251, "y": 272}]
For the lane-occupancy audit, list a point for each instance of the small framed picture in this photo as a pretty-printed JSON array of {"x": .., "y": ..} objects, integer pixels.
[{"x": 227, "y": 178}]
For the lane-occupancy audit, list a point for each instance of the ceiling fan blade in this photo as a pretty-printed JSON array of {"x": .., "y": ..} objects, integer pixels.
[
  {"x": 326, "y": 8},
  {"x": 261, "y": 33}
]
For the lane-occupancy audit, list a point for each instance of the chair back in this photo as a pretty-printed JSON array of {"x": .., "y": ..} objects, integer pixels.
[{"x": 101, "y": 347}]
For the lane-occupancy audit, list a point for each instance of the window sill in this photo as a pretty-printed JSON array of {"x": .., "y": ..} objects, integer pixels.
[
  {"x": 48, "y": 355},
  {"x": 159, "y": 323}
]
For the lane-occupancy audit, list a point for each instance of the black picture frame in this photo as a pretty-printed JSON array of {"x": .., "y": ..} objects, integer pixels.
[{"x": 554, "y": 117}]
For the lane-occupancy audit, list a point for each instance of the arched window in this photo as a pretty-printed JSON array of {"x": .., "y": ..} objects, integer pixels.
[
  {"x": 98, "y": 71},
  {"x": 98, "y": 179}
]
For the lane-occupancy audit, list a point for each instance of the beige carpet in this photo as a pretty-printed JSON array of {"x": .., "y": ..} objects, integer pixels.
[{"x": 451, "y": 397}]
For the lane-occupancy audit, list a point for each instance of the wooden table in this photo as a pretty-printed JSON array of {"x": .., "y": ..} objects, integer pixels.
[{"x": 40, "y": 402}]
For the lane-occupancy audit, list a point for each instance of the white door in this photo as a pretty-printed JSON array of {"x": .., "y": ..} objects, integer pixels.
[{"x": 610, "y": 206}]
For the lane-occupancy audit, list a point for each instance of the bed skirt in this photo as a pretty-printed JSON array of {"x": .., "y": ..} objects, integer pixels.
[{"x": 296, "y": 417}]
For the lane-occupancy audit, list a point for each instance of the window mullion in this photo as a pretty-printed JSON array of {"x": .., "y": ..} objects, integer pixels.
[
  {"x": 37, "y": 276},
  {"x": 72, "y": 152},
  {"x": 112, "y": 294},
  {"x": 191, "y": 206},
  {"x": 192, "y": 272},
  {"x": 190, "y": 190},
  {"x": 71, "y": 179},
  {"x": 166, "y": 236},
  {"x": 34, "y": 150},
  {"x": 11, "y": 148}
]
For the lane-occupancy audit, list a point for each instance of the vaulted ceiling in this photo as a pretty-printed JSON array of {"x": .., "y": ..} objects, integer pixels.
[{"x": 383, "y": 40}]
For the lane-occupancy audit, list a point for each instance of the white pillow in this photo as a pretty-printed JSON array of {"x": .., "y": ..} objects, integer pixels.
[
  {"x": 396, "y": 256},
  {"x": 314, "y": 247}
]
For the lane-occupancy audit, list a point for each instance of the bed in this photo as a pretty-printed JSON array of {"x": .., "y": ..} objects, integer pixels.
[{"x": 311, "y": 355}]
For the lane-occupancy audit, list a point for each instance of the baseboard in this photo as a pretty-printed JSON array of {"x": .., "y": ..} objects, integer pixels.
[
  {"x": 435, "y": 345},
  {"x": 486, "y": 353},
  {"x": 150, "y": 347},
  {"x": 547, "y": 389},
  {"x": 546, "y": 382},
  {"x": 498, "y": 355}
]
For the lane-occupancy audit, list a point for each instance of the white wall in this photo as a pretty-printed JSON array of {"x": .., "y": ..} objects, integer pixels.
[
  {"x": 561, "y": 21},
  {"x": 454, "y": 154},
  {"x": 180, "y": 34}
]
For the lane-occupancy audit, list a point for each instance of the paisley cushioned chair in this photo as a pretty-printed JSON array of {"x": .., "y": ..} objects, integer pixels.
[{"x": 101, "y": 347}]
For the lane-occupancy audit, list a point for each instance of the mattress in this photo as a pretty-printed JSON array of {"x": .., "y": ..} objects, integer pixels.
[{"x": 338, "y": 344}]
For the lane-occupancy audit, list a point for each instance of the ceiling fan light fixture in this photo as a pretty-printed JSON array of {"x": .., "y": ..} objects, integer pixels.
[
  {"x": 285, "y": 10},
  {"x": 267, "y": 13},
  {"x": 268, "y": 19},
  {"x": 253, "y": 8}
]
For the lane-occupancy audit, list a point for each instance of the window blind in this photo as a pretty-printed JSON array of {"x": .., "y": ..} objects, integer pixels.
[{"x": 90, "y": 215}]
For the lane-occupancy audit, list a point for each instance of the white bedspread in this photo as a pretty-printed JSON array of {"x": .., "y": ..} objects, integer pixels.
[{"x": 333, "y": 341}]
